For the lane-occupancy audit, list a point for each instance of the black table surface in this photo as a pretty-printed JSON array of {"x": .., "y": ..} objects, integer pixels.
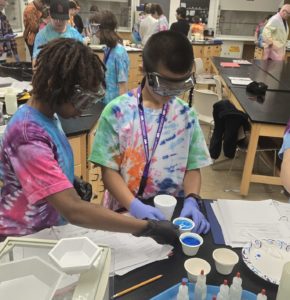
[
  {"x": 252, "y": 71},
  {"x": 273, "y": 108},
  {"x": 173, "y": 271},
  {"x": 80, "y": 125},
  {"x": 280, "y": 70}
]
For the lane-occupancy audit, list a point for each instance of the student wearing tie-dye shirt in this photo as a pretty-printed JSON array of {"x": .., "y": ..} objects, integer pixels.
[
  {"x": 116, "y": 57},
  {"x": 284, "y": 154},
  {"x": 173, "y": 134},
  {"x": 37, "y": 160}
]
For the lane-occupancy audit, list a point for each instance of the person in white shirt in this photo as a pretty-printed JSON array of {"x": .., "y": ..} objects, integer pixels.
[
  {"x": 275, "y": 34},
  {"x": 147, "y": 28}
]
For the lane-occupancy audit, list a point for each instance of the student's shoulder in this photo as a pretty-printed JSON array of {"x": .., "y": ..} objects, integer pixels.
[
  {"x": 121, "y": 105},
  {"x": 183, "y": 108}
]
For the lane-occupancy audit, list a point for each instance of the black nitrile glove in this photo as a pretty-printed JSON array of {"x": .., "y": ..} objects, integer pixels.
[
  {"x": 163, "y": 232},
  {"x": 83, "y": 188}
]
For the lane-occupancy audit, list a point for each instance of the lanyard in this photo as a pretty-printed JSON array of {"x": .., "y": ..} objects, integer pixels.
[
  {"x": 107, "y": 55},
  {"x": 145, "y": 138}
]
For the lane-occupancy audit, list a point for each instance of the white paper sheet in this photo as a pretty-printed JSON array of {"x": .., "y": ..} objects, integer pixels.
[{"x": 242, "y": 221}]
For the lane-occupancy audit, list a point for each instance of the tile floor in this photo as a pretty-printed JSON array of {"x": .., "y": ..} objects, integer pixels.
[{"x": 215, "y": 180}]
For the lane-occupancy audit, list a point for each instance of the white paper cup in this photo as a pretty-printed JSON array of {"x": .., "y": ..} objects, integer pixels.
[
  {"x": 185, "y": 224},
  {"x": 190, "y": 243},
  {"x": 193, "y": 267},
  {"x": 166, "y": 204},
  {"x": 225, "y": 260}
]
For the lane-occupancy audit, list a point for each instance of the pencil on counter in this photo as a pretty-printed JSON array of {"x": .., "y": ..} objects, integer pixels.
[{"x": 134, "y": 287}]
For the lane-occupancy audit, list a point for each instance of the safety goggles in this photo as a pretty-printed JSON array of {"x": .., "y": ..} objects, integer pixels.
[
  {"x": 164, "y": 86},
  {"x": 81, "y": 99},
  {"x": 95, "y": 27}
]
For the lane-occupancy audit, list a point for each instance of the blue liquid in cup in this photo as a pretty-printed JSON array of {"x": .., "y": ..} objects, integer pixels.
[
  {"x": 183, "y": 224},
  {"x": 190, "y": 241}
]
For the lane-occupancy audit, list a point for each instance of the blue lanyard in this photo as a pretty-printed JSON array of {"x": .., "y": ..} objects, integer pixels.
[
  {"x": 145, "y": 138},
  {"x": 107, "y": 55}
]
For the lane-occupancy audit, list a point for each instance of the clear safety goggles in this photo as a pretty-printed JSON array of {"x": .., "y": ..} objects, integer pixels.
[
  {"x": 81, "y": 99},
  {"x": 164, "y": 86},
  {"x": 95, "y": 27}
]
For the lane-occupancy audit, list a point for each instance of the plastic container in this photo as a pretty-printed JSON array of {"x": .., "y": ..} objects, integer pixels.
[
  {"x": 74, "y": 255},
  {"x": 236, "y": 288},
  {"x": 193, "y": 267},
  {"x": 224, "y": 292},
  {"x": 185, "y": 224},
  {"x": 200, "y": 287},
  {"x": 183, "y": 290},
  {"x": 10, "y": 99},
  {"x": 170, "y": 293},
  {"x": 225, "y": 260},
  {"x": 190, "y": 243},
  {"x": 262, "y": 295},
  {"x": 166, "y": 204}
]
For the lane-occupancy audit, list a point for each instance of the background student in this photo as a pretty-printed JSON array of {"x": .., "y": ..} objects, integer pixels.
[
  {"x": 149, "y": 141},
  {"x": 116, "y": 57},
  {"x": 284, "y": 154},
  {"x": 37, "y": 165}
]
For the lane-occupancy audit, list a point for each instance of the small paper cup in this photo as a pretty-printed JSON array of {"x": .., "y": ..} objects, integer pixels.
[
  {"x": 166, "y": 204},
  {"x": 190, "y": 243},
  {"x": 225, "y": 260},
  {"x": 185, "y": 224},
  {"x": 193, "y": 267}
]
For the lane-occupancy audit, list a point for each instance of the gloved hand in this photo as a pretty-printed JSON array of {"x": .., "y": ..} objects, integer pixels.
[
  {"x": 191, "y": 210},
  {"x": 142, "y": 211},
  {"x": 9, "y": 36},
  {"x": 16, "y": 56},
  {"x": 163, "y": 232}
]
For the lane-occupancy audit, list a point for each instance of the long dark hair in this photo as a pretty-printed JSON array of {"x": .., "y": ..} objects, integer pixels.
[{"x": 108, "y": 26}]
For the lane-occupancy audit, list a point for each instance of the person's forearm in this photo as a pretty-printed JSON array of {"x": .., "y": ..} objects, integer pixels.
[
  {"x": 117, "y": 187},
  {"x": 192, "y": 182},
  {"x": 89, "y": 215}
]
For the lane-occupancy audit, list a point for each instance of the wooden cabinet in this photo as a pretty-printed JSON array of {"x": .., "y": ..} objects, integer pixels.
[
  {"x": 20, "y": 48},
  {"x": 79, "y": 148},
  {"x": 205, "y": 52},
  {"x": 94, "y": 172},
  {"x": 135, "y": 71},
  {"x": 258, "y": 54}
]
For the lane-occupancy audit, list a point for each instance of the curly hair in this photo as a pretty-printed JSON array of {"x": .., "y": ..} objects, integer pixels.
[{"x": 62, "y": 64}]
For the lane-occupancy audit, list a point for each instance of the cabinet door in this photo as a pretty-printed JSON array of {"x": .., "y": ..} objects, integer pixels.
[
  {"x": 79, "y": 148},
  {"x": 197, "y": 51}
]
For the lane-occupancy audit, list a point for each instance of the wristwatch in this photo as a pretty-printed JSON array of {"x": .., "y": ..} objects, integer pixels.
[{"x": 193, "y": 195}]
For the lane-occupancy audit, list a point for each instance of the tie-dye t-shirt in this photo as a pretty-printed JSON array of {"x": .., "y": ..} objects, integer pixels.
[
  {"x": 117, "y": 64},
  {"x": 286, "y": 141},
  {"x": 118, "y": 145},
  {"x": 36, "y": 161}
]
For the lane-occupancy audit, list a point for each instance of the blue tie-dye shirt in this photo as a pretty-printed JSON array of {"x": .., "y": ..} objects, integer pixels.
[
  {"x": 118, "y": 145},
  {"x": 117, "y": 64},
  {"x": 48, "y": 34},
  {"x": 286, "y": 141}
]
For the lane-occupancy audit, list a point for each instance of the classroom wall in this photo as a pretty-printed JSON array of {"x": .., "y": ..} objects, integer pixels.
[{"x": 250, "y": 5}]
